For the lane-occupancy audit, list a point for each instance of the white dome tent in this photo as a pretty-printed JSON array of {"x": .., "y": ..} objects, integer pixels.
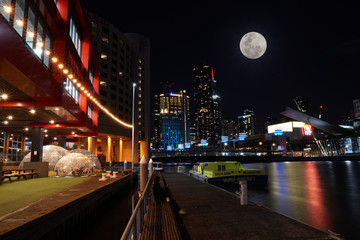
[
  {"x": 90, "y": 155},
  {"x": 51, "y": 154},
  {"x": 74, "y": 164}
]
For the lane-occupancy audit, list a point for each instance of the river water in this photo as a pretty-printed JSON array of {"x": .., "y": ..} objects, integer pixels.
[{"x": 325, "y": 194}]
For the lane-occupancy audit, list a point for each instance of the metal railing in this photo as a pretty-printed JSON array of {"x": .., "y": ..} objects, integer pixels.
[{"x": 136, "y": 222}]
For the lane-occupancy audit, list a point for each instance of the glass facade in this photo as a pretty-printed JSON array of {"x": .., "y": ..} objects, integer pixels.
[
  {"x": 14, "y": 145},
  {"x": 29, "y": 25},
  {"x": 75, "y": 36},
  {"x": 173, "y": 120},
  {"x": 207, "y": 107},
  {"x": 72, "y": 90}
]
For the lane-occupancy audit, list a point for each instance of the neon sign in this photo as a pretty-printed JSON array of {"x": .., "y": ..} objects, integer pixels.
[
  {"x": 278, "y": 132},
  {"x": 307, "y": 129}
]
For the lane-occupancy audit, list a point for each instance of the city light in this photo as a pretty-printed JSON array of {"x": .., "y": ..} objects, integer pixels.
[{"x": 7, "y": 9}]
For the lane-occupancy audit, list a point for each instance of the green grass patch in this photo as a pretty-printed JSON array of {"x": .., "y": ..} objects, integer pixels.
[{"x": 19, "y": 194}]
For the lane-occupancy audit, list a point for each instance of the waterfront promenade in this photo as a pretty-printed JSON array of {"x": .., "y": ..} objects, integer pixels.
[{"x": 213, "y": 213}]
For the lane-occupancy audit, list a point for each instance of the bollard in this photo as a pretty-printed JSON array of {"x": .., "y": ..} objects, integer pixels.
[
  {"x": 243, "y": 192},
  {"x": 103, "y": 177},
  {"x": 143, "y": 173},
  {"x": 151, "y": 166},
  {"x": 114, "y": 174},
  {"x": 125, "y": 165}
]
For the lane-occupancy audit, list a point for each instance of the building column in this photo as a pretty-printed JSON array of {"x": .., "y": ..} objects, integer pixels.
[
  {"x": 126, "y": 152},
  {"x": 92, "y": 145},
  {"x": 144, "y": 150},
  {"x": 78, "y": 145},
  {"x": 121, "y": 150},
  {"x": 37, "y": 141},
  {"x": 62, "y": 142},
  {"x": 23, "y": 143},
  {"x": 6, "y": 146},
  {"x": 108, "y": 149}
]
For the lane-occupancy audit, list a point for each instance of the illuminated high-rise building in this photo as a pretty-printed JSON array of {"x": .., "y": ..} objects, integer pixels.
[
  {"x": 207, "y": 107},
  {"x": 124, "y": 60},
  {"x": 172, "y": 127},
  {"x": 248, "y": 122}
]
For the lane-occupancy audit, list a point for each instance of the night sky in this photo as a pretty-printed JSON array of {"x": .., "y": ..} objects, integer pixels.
[{"x": 313, "y": 50}]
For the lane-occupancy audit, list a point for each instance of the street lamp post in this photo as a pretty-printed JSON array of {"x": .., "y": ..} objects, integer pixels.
[{"x": 133, "y": 127}]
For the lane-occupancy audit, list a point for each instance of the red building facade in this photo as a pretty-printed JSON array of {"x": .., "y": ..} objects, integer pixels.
[{"x": 49, "y": 73}]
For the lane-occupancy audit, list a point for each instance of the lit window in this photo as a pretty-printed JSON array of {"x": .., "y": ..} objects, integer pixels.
[
  {"x": 89, "y": 111},
  {"x": 6, "y": 9},
  {"x": 39, "y": 46},
  {"x": 75, "y": 36},
  {"x": 47, "y": 50},
  {"x": 91, "y": 74},
  {"x": 103, "y": 83},
  {"x": 72, "y": 90},
  {"x": 19, "y": 16},
  {"x": 103, "y": 56},
  {"x": 30, "y": 28}
]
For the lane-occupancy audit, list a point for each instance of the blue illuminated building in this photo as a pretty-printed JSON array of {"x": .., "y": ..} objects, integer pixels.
[{"x": 172, "y": 120}]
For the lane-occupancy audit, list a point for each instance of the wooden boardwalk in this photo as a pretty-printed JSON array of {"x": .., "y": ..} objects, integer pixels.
[
  {"x": 209, "y": 212},
  {"x": 160, "y": 222}
]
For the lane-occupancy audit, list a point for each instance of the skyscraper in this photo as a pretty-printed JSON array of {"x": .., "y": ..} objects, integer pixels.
[
  {"x": 248, "y": 121},
  {"x": 141, "y": 76},
  {"x": 172, "y": 128},
  {"x": 207, "y": 107},
  {"x": 124, "y": 60}
]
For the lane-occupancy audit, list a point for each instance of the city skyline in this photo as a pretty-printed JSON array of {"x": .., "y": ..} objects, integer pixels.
[{"x": 311, "y": 51}]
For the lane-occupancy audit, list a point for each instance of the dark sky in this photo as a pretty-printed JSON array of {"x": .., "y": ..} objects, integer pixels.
[{"x": 313, "y": 50}]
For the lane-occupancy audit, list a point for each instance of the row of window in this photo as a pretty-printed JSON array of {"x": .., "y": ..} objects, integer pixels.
[
  {"x": 73, "y": 91},
  {"x": 29, "y": 25},
  {"x": 27, "y": 22},
  {"x": 71, "y": 88}
]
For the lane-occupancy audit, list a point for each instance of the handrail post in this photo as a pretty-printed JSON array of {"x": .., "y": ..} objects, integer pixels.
[{"x": 136, "y": 221}]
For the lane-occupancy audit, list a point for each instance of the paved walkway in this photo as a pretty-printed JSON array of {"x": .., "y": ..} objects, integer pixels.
[
  {"x": 49, "y": 204},
  {"x": 212, "y": 213}
]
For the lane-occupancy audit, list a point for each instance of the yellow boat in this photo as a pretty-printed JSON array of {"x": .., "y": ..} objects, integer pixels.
[{"x": 220, "y": 173}]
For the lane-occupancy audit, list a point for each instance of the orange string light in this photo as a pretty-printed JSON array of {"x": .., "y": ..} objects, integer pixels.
[{"x": 66, "y": 72}]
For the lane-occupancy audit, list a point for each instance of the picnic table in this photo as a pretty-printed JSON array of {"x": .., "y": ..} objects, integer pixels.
[{"x": 24, "y": 173}]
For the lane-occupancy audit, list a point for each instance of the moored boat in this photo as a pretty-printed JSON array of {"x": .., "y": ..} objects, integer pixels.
[{"x": 222, "y": 173}]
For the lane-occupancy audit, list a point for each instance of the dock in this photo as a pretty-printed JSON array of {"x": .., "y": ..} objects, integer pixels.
[{"x": 205, "y": 211}]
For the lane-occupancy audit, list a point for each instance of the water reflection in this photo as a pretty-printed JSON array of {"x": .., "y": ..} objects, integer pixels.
[
  {"x": 325, "y": 195},
  {"x": 316, "y": 211}
]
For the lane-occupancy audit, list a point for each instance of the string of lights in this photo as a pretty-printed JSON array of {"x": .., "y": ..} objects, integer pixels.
[{"x": 61, "y": 65}]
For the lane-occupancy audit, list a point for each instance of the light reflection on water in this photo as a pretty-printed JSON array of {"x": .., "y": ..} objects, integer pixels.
[{"x": 325, "y": 194}]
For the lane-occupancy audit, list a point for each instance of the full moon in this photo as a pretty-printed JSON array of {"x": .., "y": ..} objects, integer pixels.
[{"x": 253, "y": 45}]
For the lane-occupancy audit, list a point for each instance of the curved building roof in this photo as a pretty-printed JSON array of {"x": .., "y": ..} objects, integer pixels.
[{"x": 316, "y": 122}]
